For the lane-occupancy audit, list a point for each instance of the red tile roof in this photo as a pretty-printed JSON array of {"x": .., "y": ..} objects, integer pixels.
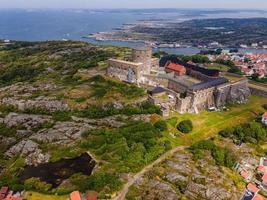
[
  {"x": 264, "y": 115},
  {"x": 264, "y": 178},
  {"x": 177, "y": 68},
  {"x": 4, "y": 190},
  {"x": 258, "y": 197},
  {"x": 252, "y": 188},
  {"x": 91, "y": 196},
  {"x": 262, "y": 169},
  {"x": 12, "y": 198},
  {"x": 245, "y": 174},
  {"x": 75, "y": 195}
]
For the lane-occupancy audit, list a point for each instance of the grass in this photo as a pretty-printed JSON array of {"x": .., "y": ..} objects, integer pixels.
[
  {"x": 217, "y": 66},
  {"x": 208, "y": 124},
  {"x": 37, "y": 196}
]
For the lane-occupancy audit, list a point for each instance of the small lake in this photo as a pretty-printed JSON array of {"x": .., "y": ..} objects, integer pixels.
[{"x": 56, "y": 173}]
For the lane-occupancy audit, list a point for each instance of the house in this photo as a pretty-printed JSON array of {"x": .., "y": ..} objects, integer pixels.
[
  {"x": 258, "y": 197},
  {"x": 253, "y": 188},
  {"x": 10, "y": 197},
  {"x": 91, "y": 196},
  {"x": 75, "y": 196},
  {"x": 246, "y": 175},
  {"x": 3, "y": 193},
  {"x": 179, "y": 70},
  {"x": 264, "y": 118},
  {"x": 262, "y": 169},
  {"x": 264, "y": 180}
]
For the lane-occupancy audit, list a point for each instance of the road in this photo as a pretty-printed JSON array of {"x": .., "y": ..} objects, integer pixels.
[{"x": 121, "y": 195}]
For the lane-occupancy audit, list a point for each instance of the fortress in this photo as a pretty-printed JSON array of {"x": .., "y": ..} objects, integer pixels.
[{"x": 183, "y": 87}]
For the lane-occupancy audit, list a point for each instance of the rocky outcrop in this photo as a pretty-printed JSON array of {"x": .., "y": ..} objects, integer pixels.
[
  {"x": 30, "y": 151},
  {"x": 26, "y": 120},
  {"x": 50, "y": 104},
  {"x": 182, "y": 178},
  {"x": 63, "y": 133}
]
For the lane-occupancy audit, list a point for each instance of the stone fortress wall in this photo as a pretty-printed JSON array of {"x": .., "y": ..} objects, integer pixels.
[
  {"x": 192, "y": 93},
  {"x": 124, "y": 70}
]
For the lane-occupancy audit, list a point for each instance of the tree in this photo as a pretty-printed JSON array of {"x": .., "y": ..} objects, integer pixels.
[
  {"x": 161, "y": 125},
  {"x": 185, "y": 126}
]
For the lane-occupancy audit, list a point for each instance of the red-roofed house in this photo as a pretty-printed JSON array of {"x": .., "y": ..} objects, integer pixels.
[
  {"x": 75, "y": 196},
  {"x": 10, "y": 197},
  {"x": 246, "y": 175},
  {"x": 3, "y": 192},
  {"x": 264, "y": 180},
  {"x": 258, "y": 197},
  {"x": 91, "y": 196},
  {"x": 262, "y": 169},
  {"x": 264, "y": 118},
  {"x": 179, "y": 70},
  {"x": 252, "y": 188}
]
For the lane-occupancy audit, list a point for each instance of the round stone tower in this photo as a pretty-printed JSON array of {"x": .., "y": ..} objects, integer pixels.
[{"x": 143, "y": 55}]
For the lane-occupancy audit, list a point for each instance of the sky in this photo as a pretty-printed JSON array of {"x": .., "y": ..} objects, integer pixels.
[{"x": 55, "y": 4}]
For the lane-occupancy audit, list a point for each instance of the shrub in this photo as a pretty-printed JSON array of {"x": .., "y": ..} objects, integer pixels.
[
  {"x": 36, "y": 184},
  {"x": 161, "y": 125},
  {"x": 265, "y": 106},
  {"x": 185, "y": 126}
]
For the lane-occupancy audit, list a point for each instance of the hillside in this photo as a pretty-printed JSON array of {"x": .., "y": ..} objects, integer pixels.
[{"x": 65, "y": 126}]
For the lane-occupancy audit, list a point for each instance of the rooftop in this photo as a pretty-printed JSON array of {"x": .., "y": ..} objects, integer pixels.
[
  {"x": 264, "y": 115},
  {"x": 252, "y": 187},
  {"x": 75, "y": 195}
]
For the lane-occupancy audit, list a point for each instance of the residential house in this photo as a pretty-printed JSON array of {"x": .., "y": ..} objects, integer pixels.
[
  {"x": 179, "y": 70},
  {"x": 75, "y": 196},
  {"x": 264, "y": 118}
]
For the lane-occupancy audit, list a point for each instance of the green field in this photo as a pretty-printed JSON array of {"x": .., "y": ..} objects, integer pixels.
[
  {"x": 38, "y": 196},
  {"x": 208, "y": 124},
  {"x": 217, "y": 66}
]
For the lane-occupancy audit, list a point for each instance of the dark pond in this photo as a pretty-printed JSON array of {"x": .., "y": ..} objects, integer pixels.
[{"x": 56, "y": 173}]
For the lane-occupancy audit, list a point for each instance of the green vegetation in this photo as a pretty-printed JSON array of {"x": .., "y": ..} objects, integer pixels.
[
  {"x": 232, "y": 68},
  {"x": 22, "y": 62},
  {"x": 161, "y": 125},
  {"x": 195, "y": 59},
  {"x": 101, "y": 86},
  {"x": 6, "y": 131},
  {"x": 185, "y": 126},
  {"x": 128, "y": 148},
  {"x": 265, "y": 106},
  {"x": 252, "y": 133},
  {"x": 35, "y": 184},
  {"x": 208, "y": 124},
  {"x": 10, "y": 175},
  {"x": 37, "y": 196},
  {"x": 222, "y": 156}
]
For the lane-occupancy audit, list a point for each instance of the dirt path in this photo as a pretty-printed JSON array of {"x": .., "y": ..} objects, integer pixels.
[{"x": 121, "y": 195}]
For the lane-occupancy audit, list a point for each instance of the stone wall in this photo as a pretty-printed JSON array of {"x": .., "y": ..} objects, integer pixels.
[
  {"x": 203, "y": 99},
  {"x": 239, "y": 91},
  {"x": 197, "y": 75},
  {"x": 183, "y": 105},
  {"x": 258, "y": 91},
  {"x": 221, "y": 94},
  {"x": 143, "y": 56},
  {"x": 177, "y": 86},
  {"x": 120, "y": 69}
]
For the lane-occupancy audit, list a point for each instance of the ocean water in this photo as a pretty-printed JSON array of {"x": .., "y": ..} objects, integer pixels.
[{"x": 42, "y": 25}]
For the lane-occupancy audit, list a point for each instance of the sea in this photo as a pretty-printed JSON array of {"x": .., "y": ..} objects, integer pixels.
[{"x": 77, "y": 24}]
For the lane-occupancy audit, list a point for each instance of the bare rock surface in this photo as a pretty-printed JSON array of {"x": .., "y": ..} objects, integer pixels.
[
  {"x": 28, "y": 121},
  {"x": 50, "y": 104},
  {"x": 63, "y": 133},
  {"x": 30, "y": 151},
  {"x": 180, "y": 177}
]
